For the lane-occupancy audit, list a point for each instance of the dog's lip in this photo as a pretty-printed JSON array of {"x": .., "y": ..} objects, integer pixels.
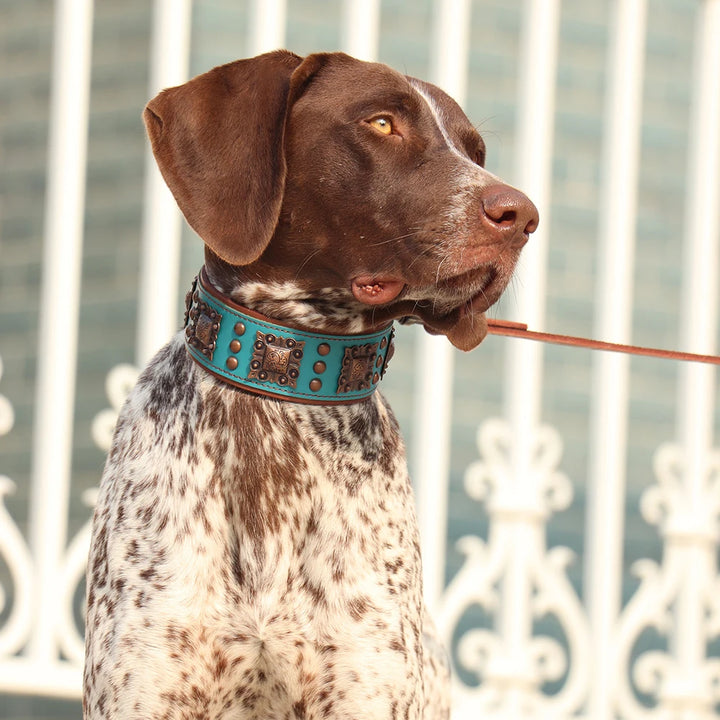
[
  {"x": 488, "y": 294},
  {"x": 478, "y": 289},
  {"x": 373, "y": 290},
  {"x": 471, "y": 281}
]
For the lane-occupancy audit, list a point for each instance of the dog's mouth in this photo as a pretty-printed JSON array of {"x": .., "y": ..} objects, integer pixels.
[
  {"x": 473, "y": 291},
  {"x": 454, "y": 306}
]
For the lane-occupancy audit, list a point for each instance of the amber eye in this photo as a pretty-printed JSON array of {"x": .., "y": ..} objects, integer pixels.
[{"x": 382, "y": 124}]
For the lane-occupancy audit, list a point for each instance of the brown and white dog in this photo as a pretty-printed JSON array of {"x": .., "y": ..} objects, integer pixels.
[{"x": 258, "y": 558}]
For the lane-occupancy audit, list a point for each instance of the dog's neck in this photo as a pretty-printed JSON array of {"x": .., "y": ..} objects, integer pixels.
[
  {"x": 290, "y": 301},
  {"x": 264, "y": 356}
]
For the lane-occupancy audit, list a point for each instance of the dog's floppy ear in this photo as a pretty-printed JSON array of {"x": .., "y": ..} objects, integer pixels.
[{"x": 218, "y": 140}]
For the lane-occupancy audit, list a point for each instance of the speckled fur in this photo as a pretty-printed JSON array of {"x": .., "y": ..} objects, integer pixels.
[{"x": 254, "y": 559}]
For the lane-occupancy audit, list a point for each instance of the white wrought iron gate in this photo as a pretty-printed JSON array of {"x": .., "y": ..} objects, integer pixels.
[{"x": 589, "y": 665}]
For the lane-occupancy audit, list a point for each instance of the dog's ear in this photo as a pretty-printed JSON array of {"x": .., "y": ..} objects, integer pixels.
[{"x": 218, "y": 140}]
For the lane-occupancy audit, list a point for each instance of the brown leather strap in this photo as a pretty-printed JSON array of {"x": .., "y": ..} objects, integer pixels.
[{"x": 520, "y": 330}]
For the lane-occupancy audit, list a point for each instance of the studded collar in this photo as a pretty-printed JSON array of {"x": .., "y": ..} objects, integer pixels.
[{"x": 250, "y": 351}]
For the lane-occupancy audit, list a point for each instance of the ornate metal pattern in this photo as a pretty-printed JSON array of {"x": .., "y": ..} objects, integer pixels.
[
  {"x": 515, "y": 566},
  {"x": 276, "y": 359},
  {"x": 202, "y": 324},
  {"x": 15, "y": 554},
  {"x": 678, "y": 597},
  {"x": 357, "y": 367}
]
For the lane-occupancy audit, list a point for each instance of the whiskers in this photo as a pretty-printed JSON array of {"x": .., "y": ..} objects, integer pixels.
[
  {"x": 423, "y": 254},
  {"x": 307, "y": 259},
  {"x": 410, "y": 234}
]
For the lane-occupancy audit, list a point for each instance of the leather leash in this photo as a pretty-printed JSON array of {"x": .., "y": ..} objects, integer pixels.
[{"x": 520, "y": 330}]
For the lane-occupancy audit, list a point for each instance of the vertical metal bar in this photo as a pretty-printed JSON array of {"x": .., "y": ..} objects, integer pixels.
[
  {"x": 431, "y": 440},
  {"x": 536, "y": 111},
  {"x": 267, "y": 25},
  {"x": 702, "y": 223},
  {"x": 608, "y": 433},
  {"x": 162, "y": 222},
  {"x": 697, "y": 387},
  {"x": 59, "y": 311},
  {"x": 361, "y": 28},
  {"x": 451, "y": 47}
]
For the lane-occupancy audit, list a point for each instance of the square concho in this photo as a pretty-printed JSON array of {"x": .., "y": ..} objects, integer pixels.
[
  {"x": 276, "y": 359},
  {"x": 357, "y": 368}
]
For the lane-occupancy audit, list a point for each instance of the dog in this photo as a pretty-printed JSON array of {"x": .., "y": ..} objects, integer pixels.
[{"x": 255, "y": 550}]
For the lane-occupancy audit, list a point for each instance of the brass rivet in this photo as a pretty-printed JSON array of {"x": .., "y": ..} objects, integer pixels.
[
  {"x": 376, "y": 377},
  {"x": 383, "y": 344},
  {"x": 379, "y": 361},
  {"x": 323, "y": 349},
  {"x": 231, "y": 363},
  {"x": 235, "y": 346},
  {"x": 315, "y": 384},
  {"x": 239, "y": 328},
  {"x": 319, "y": 367}
]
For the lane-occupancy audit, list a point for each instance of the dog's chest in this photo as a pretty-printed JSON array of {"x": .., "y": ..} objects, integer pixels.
[{"x": 279, "y": 542}]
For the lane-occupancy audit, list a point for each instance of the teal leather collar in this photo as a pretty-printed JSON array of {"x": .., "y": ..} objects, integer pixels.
[{"x": 252, "y": 352}]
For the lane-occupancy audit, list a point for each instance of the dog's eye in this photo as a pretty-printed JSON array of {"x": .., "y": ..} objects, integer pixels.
[{"x": 382, "y": 124}]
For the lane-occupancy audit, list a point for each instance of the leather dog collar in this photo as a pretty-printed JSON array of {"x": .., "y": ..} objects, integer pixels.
[{"x": 252, "y": 352}]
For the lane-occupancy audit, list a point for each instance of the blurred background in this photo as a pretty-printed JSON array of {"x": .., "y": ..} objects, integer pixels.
[{"x": 606, "y": 113}]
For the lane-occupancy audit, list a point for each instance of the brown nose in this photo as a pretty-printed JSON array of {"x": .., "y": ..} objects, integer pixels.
[{"x": 509, "y": 212}]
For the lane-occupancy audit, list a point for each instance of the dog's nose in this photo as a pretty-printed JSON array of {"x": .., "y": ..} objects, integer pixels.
[{"x": 510, "y": 212}]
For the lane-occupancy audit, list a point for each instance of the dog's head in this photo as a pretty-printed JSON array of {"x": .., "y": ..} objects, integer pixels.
[{"x": 343, "y": 176}]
